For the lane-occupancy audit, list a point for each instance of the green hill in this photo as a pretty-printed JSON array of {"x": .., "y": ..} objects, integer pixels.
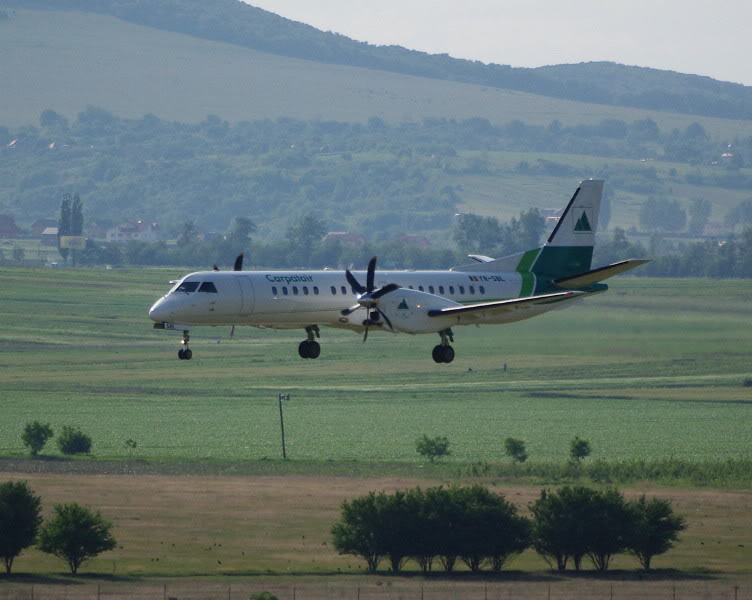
[{"x": 67, "y": 60}]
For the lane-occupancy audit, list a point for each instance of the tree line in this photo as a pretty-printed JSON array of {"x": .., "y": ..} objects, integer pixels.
[{"x": 440, "y": 526}]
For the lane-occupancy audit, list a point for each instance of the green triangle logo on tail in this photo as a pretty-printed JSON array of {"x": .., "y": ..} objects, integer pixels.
[
  {"x": 403, "y": 305},
  {"x": 582, "y": 223}
]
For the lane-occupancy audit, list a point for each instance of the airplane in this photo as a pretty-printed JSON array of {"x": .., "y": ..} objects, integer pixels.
[{"x": 486, "y": 292}]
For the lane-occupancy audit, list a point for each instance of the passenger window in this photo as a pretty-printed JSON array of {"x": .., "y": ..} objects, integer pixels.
[
  {"x": 295, "y": 290},
  {"x": 315, "y": 291},
  {"x": 208, "y": 287},
  {"x": 420, "y": 287},
  {"x": 441, "y": 289},
  {"x": 482, "y": 290},
  {"x": 334, "y": 291},
  {"x": 430, "y": 288},
  {"x": 305, "y": 290},
  {"x": 462, "y": 289},
  {"x": 284, "y": 290},
  {"x": 344, "y": 290},
  {"x": 274, "y": 290},
  {"x": 472, "y": 289},
  {"x": 451, "y": 289},
  {"x": 187, "y": 287}
]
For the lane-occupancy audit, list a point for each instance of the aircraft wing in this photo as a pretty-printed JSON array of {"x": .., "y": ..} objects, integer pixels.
[
  {"x": 590, "y": 277},
  {"x": 502, "y": 306}
]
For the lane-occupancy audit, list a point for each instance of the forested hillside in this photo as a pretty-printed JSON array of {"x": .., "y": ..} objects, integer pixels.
[{"x": 238, "y": 23}]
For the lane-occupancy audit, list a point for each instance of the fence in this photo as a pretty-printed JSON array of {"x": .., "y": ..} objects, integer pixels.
[{"x": 386, "y": 589}]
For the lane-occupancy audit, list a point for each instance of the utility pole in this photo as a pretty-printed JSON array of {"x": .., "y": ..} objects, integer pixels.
[{"x": 282, "y": 423}]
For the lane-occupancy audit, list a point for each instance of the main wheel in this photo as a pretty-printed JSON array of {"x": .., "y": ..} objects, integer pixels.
[
  {"x": 314, "y": 349},
  {"x": 304, "y": 349},
  {"x": 187, "y": 354},
  {"x": 447, "y": 354},
  {"x": 438, "y": 354},
  {"x": 181, "y": 354}
]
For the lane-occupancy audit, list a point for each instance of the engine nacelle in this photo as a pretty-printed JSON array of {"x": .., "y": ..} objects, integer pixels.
[{"x": 408, "y": 311}]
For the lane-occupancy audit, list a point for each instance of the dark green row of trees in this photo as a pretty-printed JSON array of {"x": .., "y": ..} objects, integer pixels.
[
  {"x": 481, "y": 528},
  {"x": 74, "y": 533}
]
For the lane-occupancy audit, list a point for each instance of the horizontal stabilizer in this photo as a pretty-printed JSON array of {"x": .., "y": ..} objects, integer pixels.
[{"x": 588, "y": 278}]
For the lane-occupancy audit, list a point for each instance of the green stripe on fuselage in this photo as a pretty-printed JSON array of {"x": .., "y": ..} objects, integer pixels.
[{"x": 523, "y": 268}]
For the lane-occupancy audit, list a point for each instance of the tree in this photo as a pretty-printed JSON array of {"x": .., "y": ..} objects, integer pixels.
[
  {"x": 304, "y": 236},
  {"x": 579, "y": 449},
  {"x": 35, "y": 436},
  {"x": 76, "y": 222},
  {"x": 608, "y": 523},
  {"x": 661, "y": 214},
  {"x": 239, "y": 238},
  {"x": 188, "y": 234},
  {"x": 18, "y": 253},
  {"x": 741, "y": 214},
  {"x": 515, "y": 449},
  {"x": 432, "y": 448},
  {"x": 73, "y": 441},
  {"x": 358, "y": 532},
  {"x": 76, "y": 534},
  {"x": 654, "y": 529},
  {"x": 20, "y": 517},
  {"x": 64, "y": 224},
  {"x": 699, "y": 215}
]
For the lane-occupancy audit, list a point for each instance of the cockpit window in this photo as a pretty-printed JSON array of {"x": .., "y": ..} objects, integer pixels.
[
  {"x": 208, "y": 287},
  {"x": 187, "y": 287}
]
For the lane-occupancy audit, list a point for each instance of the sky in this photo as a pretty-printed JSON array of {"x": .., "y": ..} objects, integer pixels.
[{"x": 689, "y": 36}]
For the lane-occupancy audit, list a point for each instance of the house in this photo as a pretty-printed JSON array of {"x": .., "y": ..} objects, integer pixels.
[
  {"x": 134, "y": 231},
  {"x": 49, "y": 236},
  {"x": 38, "y": 226},
  {"x": 8, "y": 227},
  {"x": 413, "y": 240},
  {"x": 97, "y": 229},
  {"x": 348, "y": 240}
]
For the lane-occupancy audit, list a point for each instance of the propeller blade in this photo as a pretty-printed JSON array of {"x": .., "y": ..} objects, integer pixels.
[
  {"x": 238, "y": 263},
  {"x": 215, "y": 268},
  {"x": 384, "y": 291},
  {"x": 370, "y": 275},
  {"x": 232, "y": 331},
  {"x": 354, "y": 282},
  {"x": 365, "y": 335},
  {"x": 349, "y": 311},
  {"x": 383, "y": 316}
]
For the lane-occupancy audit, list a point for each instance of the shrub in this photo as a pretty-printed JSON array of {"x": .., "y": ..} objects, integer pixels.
[
  {"x": 747, "y": 382},
  {"x": 35, "y": 436},
  {"x": 515, "y": 449},
  {"x": 263, "y": 596},
  {"x": 579, "y": 449},
  {"x": 74, "y": 441},
  {"x": 20, "y": 517},
  {"x": 432, "y": 448},
  {"x": 76, "y": 534}
]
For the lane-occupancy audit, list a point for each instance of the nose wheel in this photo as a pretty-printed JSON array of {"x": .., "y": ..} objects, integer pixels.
[
  {"x": 444, "y": 353},
  {"x": 185, "y": 352},
  {"x": 310, "y": 348}
]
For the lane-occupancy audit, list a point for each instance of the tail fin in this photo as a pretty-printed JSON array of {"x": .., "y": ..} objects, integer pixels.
[{"x": 569, "y": 249}]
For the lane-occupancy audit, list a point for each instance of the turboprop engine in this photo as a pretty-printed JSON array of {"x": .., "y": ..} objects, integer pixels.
[{"x": 407, "y": 311}]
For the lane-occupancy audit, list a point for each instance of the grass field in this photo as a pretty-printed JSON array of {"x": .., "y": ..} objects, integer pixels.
[
  {"x": 80, "y": 59},
  {"x": 653, "y": 369}
]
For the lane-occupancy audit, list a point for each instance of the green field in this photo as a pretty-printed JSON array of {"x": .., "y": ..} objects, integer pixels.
[
  {"x": 83, "y": 58},
  {"x": 653, "y": 369}
]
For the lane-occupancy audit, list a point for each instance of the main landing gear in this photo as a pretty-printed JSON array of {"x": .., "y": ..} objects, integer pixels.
[
  {"x": 444, "y": 353},
  {"x": 185, "y": 352},
  {"x": 310, "y": 348}
]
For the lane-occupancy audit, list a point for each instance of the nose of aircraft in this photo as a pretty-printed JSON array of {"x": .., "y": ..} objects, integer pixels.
[{"x": 159, "y": 312}]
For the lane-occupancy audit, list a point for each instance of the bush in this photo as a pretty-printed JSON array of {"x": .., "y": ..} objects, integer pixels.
[
  {"x": 515, "y": 449},
  {"x": 579, "y": 449},
  {"x": 263, "y": 596},
  {"x": 432, "y": 448},
  {"x": 747, "y": 382},
  {"x": 73, "y": 441},
  {"x": 35, "y": 436}
]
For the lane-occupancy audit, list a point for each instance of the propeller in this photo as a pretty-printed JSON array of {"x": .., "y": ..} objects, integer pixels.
[{"x": 368, "y": 296}]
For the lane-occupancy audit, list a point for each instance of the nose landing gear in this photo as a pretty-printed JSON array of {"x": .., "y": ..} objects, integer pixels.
[
  {"x": 444, "y": 353},
  {"x": 185, "y": 353},
  {"x": 310, "y": 348}
]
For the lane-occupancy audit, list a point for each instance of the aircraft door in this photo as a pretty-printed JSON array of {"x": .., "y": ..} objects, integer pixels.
[{"x": 249, "y": 297}]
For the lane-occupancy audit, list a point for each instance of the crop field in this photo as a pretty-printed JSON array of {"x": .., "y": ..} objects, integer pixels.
[
  {"x": 654, "y": 369},
  {"x": 133, "y": 70}
]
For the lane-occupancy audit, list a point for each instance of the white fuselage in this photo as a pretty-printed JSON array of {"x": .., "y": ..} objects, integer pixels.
[{"x": 296, "y": 299}]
